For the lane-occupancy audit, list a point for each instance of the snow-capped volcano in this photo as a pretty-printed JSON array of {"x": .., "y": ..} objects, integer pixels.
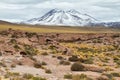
[{"x": 62, "y": 17}]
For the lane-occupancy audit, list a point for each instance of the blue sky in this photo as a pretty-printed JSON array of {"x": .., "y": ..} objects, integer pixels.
[{"x": 21, "y": 10}]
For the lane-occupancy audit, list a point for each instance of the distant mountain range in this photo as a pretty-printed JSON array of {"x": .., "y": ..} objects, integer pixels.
[
  {"x": 107, "y": 24},
  {"x": 5, "y": 22},
  {"x": 66, "y": 18},
  {"x": 113, "y": 24}
]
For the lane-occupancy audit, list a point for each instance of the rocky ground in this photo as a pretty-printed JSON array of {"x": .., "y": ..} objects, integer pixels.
[{"x": 59, "y": 56}]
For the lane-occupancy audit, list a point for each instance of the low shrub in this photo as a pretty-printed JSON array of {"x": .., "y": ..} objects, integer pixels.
[
  {"x": 88, "y": 61},
  {"x": 102, "y": 78},
  {"x": 68, "y": 76},
  {"x": 108, "y": 69},
  {"x": 15, "y": 74},
  {"x": 20, "y": 63},
  {"x": 13, "y": 41},
  {"x": 38, "y": 78},
  {"x": 16, "y": 46},
  {"x": 0, "y": 53},
  {"x": 116, "y": 74},
  {"x": 43, "y": 63},
  {"x": 48, "y": 71},
  {"x": 64, "y": 62},
  {"x": 17, "y": 78},
  {"x": 3, "y": 64},
  {"x": 13, "y": 65},
  {"x": 77, "y": 67},
  {"x": 110, "y": 76},
  {"x": 9, "y": 74},
  {"x": 54, "y": 56},
  {"x": 44, "y": 53},
  {"x": 73, "y": 58},
  {"x": 116, "y": 58},
  {"x": 30, "y": 50},
  {"x": 30, "y": 35},
  {"x": 6, "y": 76},
  {"x": 115, "y": 36},
  {"x": 105, "y": 60},
  {"x": 28, "y": 76},
  {"x": 60, "y": 57},
  {"x": 37, "y": 65},
  {"x": 32, "y": 58},
  {"x": 117, "y": 62}
]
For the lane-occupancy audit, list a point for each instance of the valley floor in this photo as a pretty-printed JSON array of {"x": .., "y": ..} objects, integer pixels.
[
  {"x": 59, "y": 29},
  {"x": 59, "y": 56}
]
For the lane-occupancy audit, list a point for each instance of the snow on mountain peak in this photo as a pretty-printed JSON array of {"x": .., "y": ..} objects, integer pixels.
[
  {"x": 63, "y": 17},
  {"x": 73, "y": 11},
  {"x": 55, "y": 11}
]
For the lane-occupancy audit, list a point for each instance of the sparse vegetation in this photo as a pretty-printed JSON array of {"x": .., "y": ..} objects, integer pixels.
[
  {"x": 29, "y": 35},
  {"x": 13, "y": 41},
  {"x": 81, "y": 77},
  {"x": 98, "y": 53},
  {"x": 29, "y": 50},
  {"x": 50, "y": 29},
  {"x": 116, "y": 36},
  {"x": 11, "y": 74}
]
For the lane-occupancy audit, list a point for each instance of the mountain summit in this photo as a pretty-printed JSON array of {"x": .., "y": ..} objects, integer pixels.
[{"x": 63, "y": 17}]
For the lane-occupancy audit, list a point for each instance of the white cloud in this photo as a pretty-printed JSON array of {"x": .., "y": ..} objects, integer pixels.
[
  {"x": 53, "y": 4},
  {"x": 22, "y": 1},
  {"x": 104, "y": 10},
  {"x": 11, "y": 6}
]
